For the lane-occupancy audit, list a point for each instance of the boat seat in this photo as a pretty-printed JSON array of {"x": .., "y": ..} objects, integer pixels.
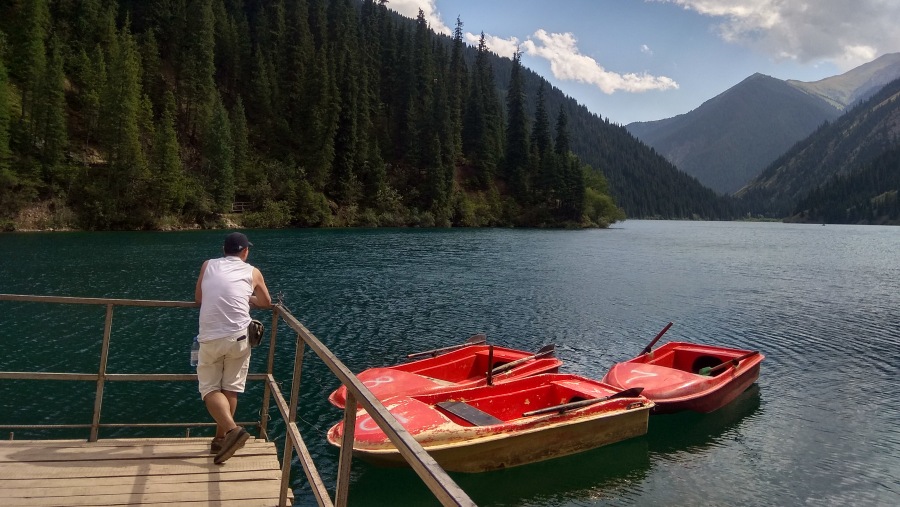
[{"x": 469, "y": 413}]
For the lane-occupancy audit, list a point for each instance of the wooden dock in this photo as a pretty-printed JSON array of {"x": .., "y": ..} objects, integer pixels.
[
  {"x": 161, "y": 472},
  {"x": 180, "y": 471}
]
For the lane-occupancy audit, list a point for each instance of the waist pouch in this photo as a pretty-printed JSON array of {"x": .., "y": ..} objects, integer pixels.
[{"x": 255, "y": 333}]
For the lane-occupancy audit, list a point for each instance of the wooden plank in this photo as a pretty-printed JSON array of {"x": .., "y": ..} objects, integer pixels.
[
  {"x": 259, "y": 489},
  {"x": 102, "y": 453},
  {"x": 115, "y": 468},
  {"x": 53, "y": 482},
  {"x": 168, "y": 501},
  {"x": 109, "y": 442},
  {"x": 162, "y": 472}
]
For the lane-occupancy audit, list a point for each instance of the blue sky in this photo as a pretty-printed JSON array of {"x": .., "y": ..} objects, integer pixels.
[{"x": 641, "y": 60}]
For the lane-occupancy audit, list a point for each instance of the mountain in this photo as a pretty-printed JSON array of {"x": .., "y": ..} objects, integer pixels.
[
  {"x": 851, "y": 160},
  {"x": 730, "y": 139},
  {"x": 850, "y": 88},
  {"x": 643, "y": 183}
]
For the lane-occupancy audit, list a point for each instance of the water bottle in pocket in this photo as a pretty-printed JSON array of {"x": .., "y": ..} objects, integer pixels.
[{"x": 195, "y": 352}]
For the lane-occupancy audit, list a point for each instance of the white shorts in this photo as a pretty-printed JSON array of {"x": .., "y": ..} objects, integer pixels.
[{"x": 223, "y": 365}]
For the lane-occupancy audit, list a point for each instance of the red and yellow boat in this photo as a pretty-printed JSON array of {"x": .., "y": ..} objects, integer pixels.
[
  {"x": 519, "y": 421},
  {"x": 687, "y": 376},
  {"x": 461, "y": 366}
]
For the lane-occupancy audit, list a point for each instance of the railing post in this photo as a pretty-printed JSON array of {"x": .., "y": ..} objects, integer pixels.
[
  {"x": 342, "y": 490},
  {"x": 292, "y": 414},
  {"x": 101, "y": 375},
  {"x": 270, "y": 367}
]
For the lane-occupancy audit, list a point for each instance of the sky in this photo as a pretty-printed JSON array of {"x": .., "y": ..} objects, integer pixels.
[{"x": 643, "y": 60}]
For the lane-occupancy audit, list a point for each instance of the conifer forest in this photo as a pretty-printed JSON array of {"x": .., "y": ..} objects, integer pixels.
[{"x": 167, "y": 114}]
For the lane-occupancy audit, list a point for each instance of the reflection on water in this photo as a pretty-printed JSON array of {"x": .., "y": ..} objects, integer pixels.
[
  {"x": 688, "y": 433},
  {"x": 821, "y": 428},
  {"x": 605, "y": 473}
]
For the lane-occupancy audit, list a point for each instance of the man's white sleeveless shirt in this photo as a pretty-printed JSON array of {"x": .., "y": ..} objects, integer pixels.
[{"x": 225, "y": 310}]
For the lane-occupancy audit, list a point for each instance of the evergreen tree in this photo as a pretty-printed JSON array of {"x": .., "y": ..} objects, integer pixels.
[
  {"x": 516, "y": 161},
  {"x": 482, "y": 122},
  {"x": 126, "y": 170},
  {"x": 153, "y": 83},
  {"x": 169, "y": 182},
  {"x": 5, "y": 154},
  {"x": 540, "y": 135},
  {"x": 93, "y": 83},
  {"x": 196, "y": 85},
  {"x": 241, "y": 140},
  {"x": 28, "y": 62},
  {"x": 457, "y": 77},
  {"x": 562, "y": 133},
  {"x": 50, "y": 116},
  {"x": 218, "y": 151}
]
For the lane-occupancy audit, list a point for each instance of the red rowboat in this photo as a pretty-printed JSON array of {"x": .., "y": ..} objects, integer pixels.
[
  {"x": 504, "y": 425},
  {"x": 686, "y": 376},
  {"x": 467, "y": 366}
]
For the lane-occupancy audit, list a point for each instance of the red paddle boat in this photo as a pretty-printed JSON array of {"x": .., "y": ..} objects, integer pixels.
[
  {"x": 687, "y": 376},
  {"x": 451, "y": 368},
  {"x": 520, "y": 421}
]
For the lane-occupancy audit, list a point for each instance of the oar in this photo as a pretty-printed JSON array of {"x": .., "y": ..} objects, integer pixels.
[
  {"x": 547, "y": 350},
  {"x": 709, "y": 370},
  {"x": 473, "y": 340},
  {"x": 650, "y": 347},
  {"x": 628, "y": 393}
]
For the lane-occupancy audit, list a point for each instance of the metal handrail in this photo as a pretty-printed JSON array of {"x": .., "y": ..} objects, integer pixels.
[{"x": 434, "y": 477}]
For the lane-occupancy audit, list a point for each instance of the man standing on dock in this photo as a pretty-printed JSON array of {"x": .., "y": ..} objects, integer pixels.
[{"x": 226, "y": 289}]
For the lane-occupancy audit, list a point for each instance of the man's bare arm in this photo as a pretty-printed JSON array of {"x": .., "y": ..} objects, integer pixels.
[
  {"x": 198, "y": 290},
  {"x": 260, "y": 297}
]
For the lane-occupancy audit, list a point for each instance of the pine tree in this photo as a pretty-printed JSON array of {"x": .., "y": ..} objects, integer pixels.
[
  {"x": 562, "y": 133},
  {"x": 457, "y": 77},
  {"x": 126, "y": 171},
  {"x": 540, "y": 135},
  {"x": 482, "y": 131},
  {"x": 196, "y": 85},
  {"x": 29, "y": 59},
  {"x": 93, "y": 82},
  {"x": 50, "y": 116},
  {"x": 218, "y": 151},
  {"x": 5, "y": 154},
  {"x": 169, "y": 183},
  {"x": 241, "y": 140},
  {"x": 517, "y": 150}
]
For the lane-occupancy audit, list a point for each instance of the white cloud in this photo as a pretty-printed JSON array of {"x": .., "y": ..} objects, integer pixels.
[
  {"x": 567, "y": 63},
  {"x": 646, "y": 50},
  {"x": 410, "y": 9},
  {"x": 560, "y": 49},
  {"x": 847, "y": 33}
]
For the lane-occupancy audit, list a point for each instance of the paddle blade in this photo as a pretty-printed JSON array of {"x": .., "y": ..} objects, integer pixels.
[
  {"x": 476, "y": 339},
  {"x": 546, "y": 351}
]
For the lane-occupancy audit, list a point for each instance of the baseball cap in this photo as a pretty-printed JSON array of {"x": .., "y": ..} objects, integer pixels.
[{"x": 235, "y": 242}]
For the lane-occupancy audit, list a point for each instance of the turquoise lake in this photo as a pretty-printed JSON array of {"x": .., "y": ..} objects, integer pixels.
[{"x": 821, "y": 426}]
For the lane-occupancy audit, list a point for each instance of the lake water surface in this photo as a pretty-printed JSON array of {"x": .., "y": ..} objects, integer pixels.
[{"x": 821, "y": 427}]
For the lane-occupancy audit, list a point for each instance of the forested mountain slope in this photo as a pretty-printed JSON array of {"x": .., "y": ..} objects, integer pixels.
[
  {"x": 834, "y": 163},
  {"x": 158, "y": 114},
  {"x": 644, "y": 183}
]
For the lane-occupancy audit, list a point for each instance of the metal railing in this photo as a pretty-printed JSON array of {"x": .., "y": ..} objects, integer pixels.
[{"x": 434, "y": 477}]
